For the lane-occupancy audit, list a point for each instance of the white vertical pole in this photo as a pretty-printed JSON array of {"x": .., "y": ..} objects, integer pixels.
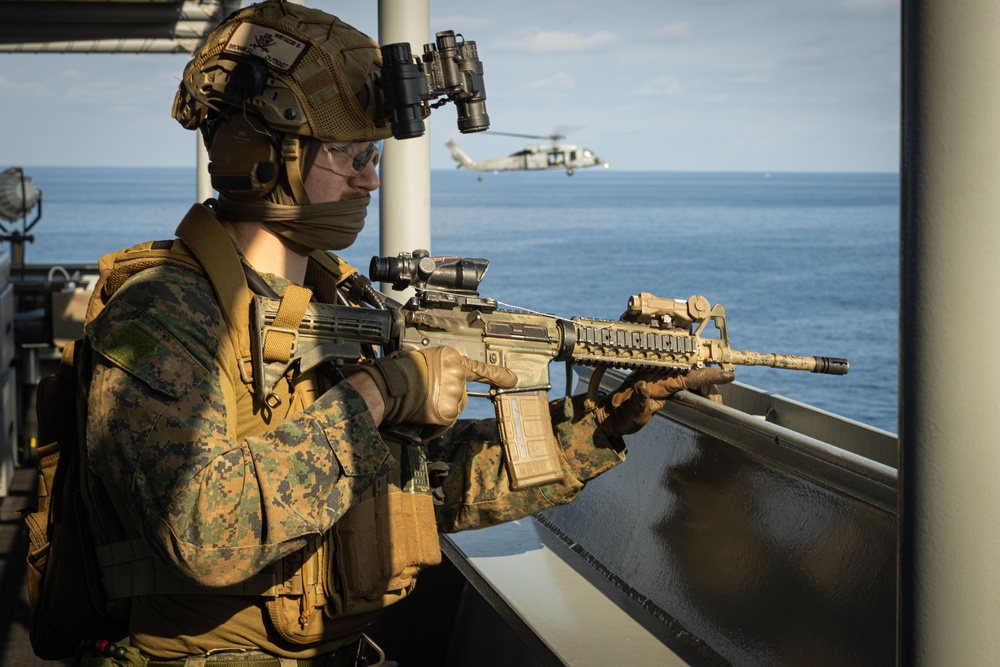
[
  {"x": 405, "y": 170},
  {"x": 949, "y": 575}
]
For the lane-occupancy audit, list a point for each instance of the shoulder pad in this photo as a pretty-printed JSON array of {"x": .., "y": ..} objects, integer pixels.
[
  {"x": 145, "y": 256},
  {"x": 117, "y": 267}
]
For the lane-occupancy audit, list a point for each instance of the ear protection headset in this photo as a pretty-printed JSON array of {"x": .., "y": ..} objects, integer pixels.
[
  {"x": 243, "y": 159},
  {"x": 243, "y": 153}
]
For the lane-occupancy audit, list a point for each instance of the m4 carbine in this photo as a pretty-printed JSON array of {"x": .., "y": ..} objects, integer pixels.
[{"x": 654, "y": 333}]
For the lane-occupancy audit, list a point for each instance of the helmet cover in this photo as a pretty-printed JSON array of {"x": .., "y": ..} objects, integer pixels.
[{"x": 301, "y": 70}]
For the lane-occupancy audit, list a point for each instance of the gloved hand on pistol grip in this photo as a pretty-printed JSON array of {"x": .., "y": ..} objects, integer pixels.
[
  {"x": 428, "y": 386},
  {"x": 643, "y": 394}
]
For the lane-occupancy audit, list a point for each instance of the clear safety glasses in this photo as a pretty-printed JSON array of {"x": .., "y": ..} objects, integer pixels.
[{"x": 349, "y": 159}]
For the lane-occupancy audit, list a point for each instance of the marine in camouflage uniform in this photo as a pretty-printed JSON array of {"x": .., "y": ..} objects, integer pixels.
[
  {"x": 233, "y": 524},
  {"x": 219, "y": 493}
]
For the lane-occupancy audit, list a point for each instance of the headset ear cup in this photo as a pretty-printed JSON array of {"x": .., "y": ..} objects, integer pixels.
[{"x": 243, "y": 160}]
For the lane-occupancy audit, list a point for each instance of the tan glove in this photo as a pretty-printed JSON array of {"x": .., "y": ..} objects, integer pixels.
[
  {"x": 643, "y": 394},
  {"x": 427, "y": 386}
]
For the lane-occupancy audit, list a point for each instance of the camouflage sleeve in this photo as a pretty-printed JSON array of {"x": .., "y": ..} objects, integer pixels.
[
  {"x": 161, "y": 429},
  {"x": 477, "y": 491}
]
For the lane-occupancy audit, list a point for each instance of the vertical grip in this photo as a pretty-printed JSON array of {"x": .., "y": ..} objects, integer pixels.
[{"x": 530, "y": 448}]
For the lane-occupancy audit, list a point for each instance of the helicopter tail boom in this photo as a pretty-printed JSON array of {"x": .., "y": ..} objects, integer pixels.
[{"x": 459, "y": 156}]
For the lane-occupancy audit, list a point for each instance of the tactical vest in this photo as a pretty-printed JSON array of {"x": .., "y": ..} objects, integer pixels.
[{"x": 334, "y": 586}]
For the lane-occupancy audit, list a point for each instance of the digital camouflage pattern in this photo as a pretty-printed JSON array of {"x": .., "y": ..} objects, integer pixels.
[
  {"x": 214, "y": 504},
  {"x": 476, "y": 490},
  {"x": 221, "y": 490}
]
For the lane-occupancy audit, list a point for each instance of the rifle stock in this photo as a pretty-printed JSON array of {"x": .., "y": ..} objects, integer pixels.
[{"x": 654, "y": 334}]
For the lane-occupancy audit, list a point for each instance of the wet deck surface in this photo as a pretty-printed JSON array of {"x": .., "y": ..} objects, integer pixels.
[{"x": 15, "y": 649}]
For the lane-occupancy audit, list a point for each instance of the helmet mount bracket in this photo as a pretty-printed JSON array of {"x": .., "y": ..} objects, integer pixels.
[{"x": 248, "y": 79}]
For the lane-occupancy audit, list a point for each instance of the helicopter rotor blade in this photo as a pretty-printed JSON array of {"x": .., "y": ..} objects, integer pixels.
[{"x": 550, "y": 137}]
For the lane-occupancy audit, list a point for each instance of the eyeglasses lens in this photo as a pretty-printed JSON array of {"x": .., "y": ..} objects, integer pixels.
[{"x": 357, "y": 154}]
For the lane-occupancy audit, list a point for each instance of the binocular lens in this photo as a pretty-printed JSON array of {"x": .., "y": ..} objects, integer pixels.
[
  {"x": 472, "y": 117},
  {"x": 403, "y": 84}
]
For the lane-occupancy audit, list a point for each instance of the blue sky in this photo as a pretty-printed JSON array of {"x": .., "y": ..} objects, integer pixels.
[{"x": 676, "y": 85}]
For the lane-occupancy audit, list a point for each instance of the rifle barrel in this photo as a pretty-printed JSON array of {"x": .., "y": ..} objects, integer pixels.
[{"x": 825, "y": 365}]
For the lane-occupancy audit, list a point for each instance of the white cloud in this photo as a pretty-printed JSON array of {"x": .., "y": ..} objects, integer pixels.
[
  {"x": 13, "y": 89},
  {"x": 534, "y": 40},
  {"x": 460, "y": 23},
  {"x": 812, "y": 54},
  {"x": 560, "y": 81},
  {"x": 747, "y": 72},
  {"x": 751, "y": 79},
  {"x": 677, "y": 30},
  {"x": 661, "y": 85},
  {"x": 870, "y": 6}
]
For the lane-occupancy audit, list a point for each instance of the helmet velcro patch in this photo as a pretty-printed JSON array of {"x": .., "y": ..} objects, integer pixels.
[{"x": 278, "y": 49}]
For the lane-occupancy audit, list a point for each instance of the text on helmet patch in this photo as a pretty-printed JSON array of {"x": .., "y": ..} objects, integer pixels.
[{"x": 279, "y": 50}]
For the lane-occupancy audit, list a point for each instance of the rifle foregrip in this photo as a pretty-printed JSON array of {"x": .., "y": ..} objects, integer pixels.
[{"x": 530, "y": 448}]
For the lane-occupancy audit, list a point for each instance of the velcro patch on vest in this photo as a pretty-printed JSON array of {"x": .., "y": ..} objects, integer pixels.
[
  {"x": 278, "y": 49},
  {"x": 142, "y": 347}
]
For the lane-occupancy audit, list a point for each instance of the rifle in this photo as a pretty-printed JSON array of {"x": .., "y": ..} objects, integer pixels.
[{"x": 446, "y": 309}]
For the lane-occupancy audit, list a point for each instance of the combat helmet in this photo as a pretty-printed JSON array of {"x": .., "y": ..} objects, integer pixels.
[{"x": 269, "y": 75}]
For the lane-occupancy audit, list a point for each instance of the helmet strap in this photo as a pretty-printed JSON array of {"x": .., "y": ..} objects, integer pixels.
[{"x": 291, "y": 155}]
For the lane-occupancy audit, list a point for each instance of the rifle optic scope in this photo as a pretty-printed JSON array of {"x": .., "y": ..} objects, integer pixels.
[{"x": 420, "y": 270}]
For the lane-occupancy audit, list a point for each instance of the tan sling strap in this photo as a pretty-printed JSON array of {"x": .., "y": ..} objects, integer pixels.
[
  {"x": 324, "y": 272},
  {"x": 281, "y": 335},
  {"x": 214, "y": 250}
]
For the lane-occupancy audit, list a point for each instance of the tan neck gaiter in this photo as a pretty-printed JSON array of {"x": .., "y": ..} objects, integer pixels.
[{"x": 330, "y": 226}]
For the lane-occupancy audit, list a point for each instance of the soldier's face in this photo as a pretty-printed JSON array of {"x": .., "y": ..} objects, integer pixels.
[{"x": 328, "y": 180}]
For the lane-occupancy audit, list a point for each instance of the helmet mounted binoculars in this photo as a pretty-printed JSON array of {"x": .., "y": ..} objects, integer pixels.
[{"x": 448, "y": 69}]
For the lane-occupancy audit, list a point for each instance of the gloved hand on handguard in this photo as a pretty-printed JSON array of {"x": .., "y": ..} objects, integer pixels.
[{"x": 633, "y": 404}]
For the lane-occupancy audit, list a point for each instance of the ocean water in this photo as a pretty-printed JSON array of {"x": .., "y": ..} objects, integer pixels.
[{"x": 804, "y": 263}]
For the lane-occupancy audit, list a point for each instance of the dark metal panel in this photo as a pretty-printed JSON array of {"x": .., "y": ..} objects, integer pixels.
[
  {"x": 849, "y": 435},
  {"x": 805, "y": 457},
  {"x": 129, "y": 26},
  {"x": 768, "y": 550},
  {"x": 58, "y": 21}
]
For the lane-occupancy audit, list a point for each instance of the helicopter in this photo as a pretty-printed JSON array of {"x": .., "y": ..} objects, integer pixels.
[{"x": 552, "y": 155}]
